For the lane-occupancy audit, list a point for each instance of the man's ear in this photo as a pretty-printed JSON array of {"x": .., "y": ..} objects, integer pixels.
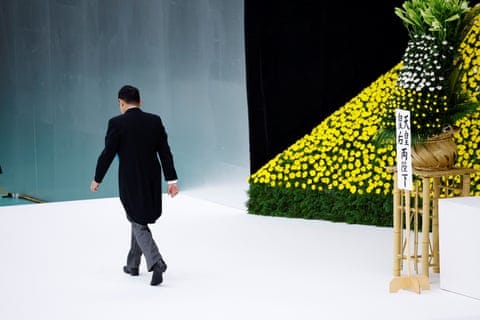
[
  {"x": 139, "y": 103},
  {"x": 121, "y": 104}
]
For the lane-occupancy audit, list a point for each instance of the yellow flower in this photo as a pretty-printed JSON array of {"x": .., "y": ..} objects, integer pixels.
[{"x": 339, "y": 153}]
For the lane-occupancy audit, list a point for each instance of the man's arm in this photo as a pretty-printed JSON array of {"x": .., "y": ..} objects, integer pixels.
[
  {"x": 106, "y": 157},
  {"x": 166, "y": 158},
  {"x": 165, "y": 155}
]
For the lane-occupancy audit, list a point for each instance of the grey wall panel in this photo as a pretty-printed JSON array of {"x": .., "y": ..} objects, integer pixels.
[{"x": 63, "y": 62}]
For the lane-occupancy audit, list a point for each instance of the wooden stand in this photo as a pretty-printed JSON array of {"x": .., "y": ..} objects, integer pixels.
[
  {"x": 409, "y": 282},
  {"x": 408, "y": 209}
]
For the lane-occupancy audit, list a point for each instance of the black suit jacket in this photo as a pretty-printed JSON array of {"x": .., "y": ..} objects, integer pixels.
[{"x": 137, "y": 137}]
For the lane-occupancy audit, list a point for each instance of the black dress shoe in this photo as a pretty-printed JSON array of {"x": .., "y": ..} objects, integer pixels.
[
  {"x": 158, "y": 270},
  {"x": 130, "y": 271}
]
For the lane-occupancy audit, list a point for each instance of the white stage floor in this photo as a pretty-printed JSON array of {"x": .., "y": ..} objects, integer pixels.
[{"x": 64, "y": 261}]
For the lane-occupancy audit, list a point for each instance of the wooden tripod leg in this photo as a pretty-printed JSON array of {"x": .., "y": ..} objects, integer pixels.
[{"x": 410, "y": 282}]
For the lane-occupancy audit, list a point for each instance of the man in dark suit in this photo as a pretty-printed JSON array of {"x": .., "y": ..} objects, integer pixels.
[{"x": 139, "y": 139}]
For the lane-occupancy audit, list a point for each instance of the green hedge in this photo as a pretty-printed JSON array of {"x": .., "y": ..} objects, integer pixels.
[{"x": 332, "y": 205}]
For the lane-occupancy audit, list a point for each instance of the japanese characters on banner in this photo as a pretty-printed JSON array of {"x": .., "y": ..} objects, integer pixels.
[{"x": 404, "y": 151}]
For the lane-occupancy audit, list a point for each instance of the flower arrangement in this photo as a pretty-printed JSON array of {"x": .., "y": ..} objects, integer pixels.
[
  {"x": 427, "y": 84},
  {"x": 337, "y": 171},
  {"x": 338, "y": 154}
]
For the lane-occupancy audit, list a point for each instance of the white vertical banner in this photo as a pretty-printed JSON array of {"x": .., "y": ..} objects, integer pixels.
[{"x": 404, "y": 151}]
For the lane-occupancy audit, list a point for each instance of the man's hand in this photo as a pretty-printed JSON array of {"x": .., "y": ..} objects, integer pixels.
[
  {"x": 172, "y": 189},
  {"x": 94, "y": 186}
]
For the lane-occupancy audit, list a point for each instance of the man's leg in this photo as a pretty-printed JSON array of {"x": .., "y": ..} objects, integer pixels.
[
  {"x": 134, "y": 257},
  {"x": 143, "y": 238}
]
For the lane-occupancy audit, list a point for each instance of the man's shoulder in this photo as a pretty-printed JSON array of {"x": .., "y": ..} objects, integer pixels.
[
  {"x": 152, "y": 118},
  {"x": 139, "y": 116},
  {"x": 151, "y": 115},
  {"x": 115, "y": 119}
]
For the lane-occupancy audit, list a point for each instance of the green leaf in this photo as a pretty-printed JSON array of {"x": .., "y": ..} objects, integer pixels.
[{"x": 453, "y": 18}]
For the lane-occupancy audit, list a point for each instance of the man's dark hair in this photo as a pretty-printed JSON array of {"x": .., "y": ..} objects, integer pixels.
[{"x": 129, "y": 94}]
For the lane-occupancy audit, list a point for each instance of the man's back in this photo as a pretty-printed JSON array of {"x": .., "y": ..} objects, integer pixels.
[{"x": 139, "y": 139}]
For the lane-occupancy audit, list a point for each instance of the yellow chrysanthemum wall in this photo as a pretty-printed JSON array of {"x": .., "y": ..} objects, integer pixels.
[
  {"x": 468, "y": 139},
  {"x": 339, "y": 154}
]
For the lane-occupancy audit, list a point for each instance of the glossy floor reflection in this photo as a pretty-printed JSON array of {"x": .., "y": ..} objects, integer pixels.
[{"x": 64, "y": 261}]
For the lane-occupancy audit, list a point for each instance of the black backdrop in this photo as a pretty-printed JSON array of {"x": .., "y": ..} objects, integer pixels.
[{"x": 305, "y": 59}]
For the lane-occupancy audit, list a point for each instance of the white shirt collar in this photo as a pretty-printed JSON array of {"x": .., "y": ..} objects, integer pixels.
[{"x": 131, "y": 107}]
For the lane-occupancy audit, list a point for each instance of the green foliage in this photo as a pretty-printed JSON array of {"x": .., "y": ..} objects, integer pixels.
[
  {"x": 428, "y": 81},
  {"x": 332, "y": 205},
  {"x": 440, "y": 18}
]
